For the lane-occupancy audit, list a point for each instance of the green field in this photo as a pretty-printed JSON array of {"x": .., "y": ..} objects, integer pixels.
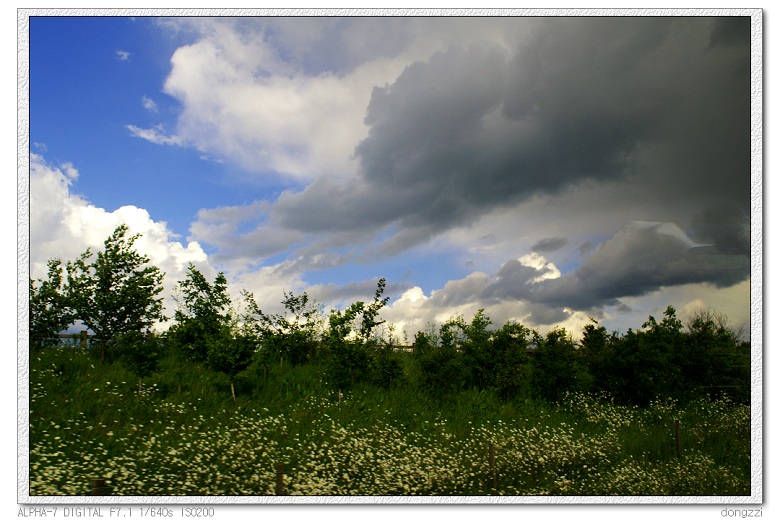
[{"x": 184, "y": 435}]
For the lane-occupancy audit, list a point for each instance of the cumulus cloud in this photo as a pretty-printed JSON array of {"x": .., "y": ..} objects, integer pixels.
[
  {"x": 580, "y": 139},
  {"x": 63, "y": 225},
  {"x": 242, "y": 101},
  {"x": 640, "y": 259},
  {"x": 645, "y": 263},
  {"x": 607, "y": 158},
  {"x": 579, "y": 103}
]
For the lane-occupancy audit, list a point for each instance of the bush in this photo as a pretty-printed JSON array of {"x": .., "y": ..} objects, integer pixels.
[{"x": 347, "y": 363}]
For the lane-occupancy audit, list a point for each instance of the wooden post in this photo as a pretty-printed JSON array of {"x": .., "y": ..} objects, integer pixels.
[
  {"x": 280, "y": 479},
  {"x": 99, "y": 488},
  {"x": 492, "y": 461},
  {"x": 83, "y": 341},
  {"x": 677, "y": 438}
]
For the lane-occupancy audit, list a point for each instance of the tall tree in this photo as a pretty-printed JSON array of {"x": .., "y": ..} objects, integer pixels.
[
  {"x": 292, "y": 335},
  {"x": 349, "y": 336},
  {"x": 115, "y": 291},
  {"x": 203, "y": 311},
  {"x": 49, "y": 311},
  {"x": 553, "y": 365},
  {"x": 231, "y": 352}
]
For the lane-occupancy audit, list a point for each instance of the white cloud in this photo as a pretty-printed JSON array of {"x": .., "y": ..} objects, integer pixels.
[
  {"x": 540, "y": 263},
  {"x": 63, "y": 225},
  {"x": 292, "y": 97},
  {"x": 149, "y": 104},
  {"x": 296, "y": 125},
  {"x": 122, "y": 55},
  {"x": 156, "y": 135}
]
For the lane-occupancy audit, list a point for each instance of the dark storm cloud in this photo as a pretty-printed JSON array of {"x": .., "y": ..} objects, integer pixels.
[
  {"x": 549, "y": 244},
  {"x": 727, "y": 227},
  {"x": 643, "y": 101},
  {"x": 417, "y": 163},
  {"x": 363, "y": 291},
  {"x": 730, "y": 31},
  {"x": 640, "y": 259}
]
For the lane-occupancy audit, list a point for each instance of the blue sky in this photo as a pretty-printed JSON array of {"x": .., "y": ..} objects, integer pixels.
[{"x": 548, "y": 170}]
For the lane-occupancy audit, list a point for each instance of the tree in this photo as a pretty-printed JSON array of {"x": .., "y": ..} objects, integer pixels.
[
  {"x": 203, "y": 312},
  {"x": 477, "y": 350},
  {"x": 554, "y": 369},
  {"x": 231, "y": 352},
  {"x": 370, "y": 313},
  {"x": 713, "y": 359},
  {"x": 49, "y": 310},
  {"x": 597, "y": 351},
  {"x": 509, "y": 363},
  {"x": 441, "y": 361},
  {"x": 293, "y": 334},
  {"x": 140, "y": 353},
  {"x": 116, "y": 291},
  {"x": 347, "y": 343}
]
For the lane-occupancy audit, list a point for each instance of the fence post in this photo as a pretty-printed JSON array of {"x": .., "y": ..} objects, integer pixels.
[
  {"x": 99, "y": 488},
  {"x": 492, "y": 462},
  {"x": 279, "y": 479},
  {"x": 677, "y": 437}
]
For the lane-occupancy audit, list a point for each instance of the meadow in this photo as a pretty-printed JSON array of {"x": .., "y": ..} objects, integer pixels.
[{"x": 183, "y": 435}]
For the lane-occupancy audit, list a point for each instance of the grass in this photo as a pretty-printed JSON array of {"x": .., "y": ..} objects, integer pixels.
[{"x": 184, "y": 436}]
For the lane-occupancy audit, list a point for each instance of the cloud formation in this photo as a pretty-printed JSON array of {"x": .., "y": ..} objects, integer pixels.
[
  {"x": 604, "y": 119},
  {"x": 565, "y": 166},
  {"x": 640, "y": 259},
  {"x": 64, "y": 225},
  {"x": 473, "y": 129}
]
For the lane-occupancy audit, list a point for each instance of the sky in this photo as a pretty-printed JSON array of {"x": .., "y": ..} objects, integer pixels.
[{"x": 550, "y": 170}]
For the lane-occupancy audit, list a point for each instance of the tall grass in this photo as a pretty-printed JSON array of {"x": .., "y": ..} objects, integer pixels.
[{"x": 183, "y": 435}]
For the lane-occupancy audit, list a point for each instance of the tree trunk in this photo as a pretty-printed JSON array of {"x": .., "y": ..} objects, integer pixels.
[
  {"x": 233, "y": 391},
  {"x": 139, "y": 386}
]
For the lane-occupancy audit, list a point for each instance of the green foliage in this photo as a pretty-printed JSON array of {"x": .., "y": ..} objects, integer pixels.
[
  {"x": 409, "y": 424},
  {"x": 388, "y": 370},
  {"x": 85, "y": 420},
  {"x": 230, "y": 352},
  {"x": 138, "y": 352},
  {"x": 347, "y": 363},
  {"x": 713, "y": 358},
  {"x": 452, "y": 333},
  {"x": 293, "y": 335},
  {"x": 596, "y": 348},
  {"x": 665, "y": 360},
  {"x": 477, "y": 350},
  {"x": 116, "y": 294},
  {"x": 49, "y": 310},
  {"x": 349, "y": 344},
  {"x": 554, "y": 371},
  {"x": 509, "y": 360},
  {"x": 443, "y": 371},
  {"x": 423, "y": 344},
  {"x": 116, "y": 291},
  {"x": 370, "y": 319},
  {"x": 202, "y": 314}
]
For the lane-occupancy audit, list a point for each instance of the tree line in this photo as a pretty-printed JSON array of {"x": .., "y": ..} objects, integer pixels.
[{"x": 116, "y": 293}]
